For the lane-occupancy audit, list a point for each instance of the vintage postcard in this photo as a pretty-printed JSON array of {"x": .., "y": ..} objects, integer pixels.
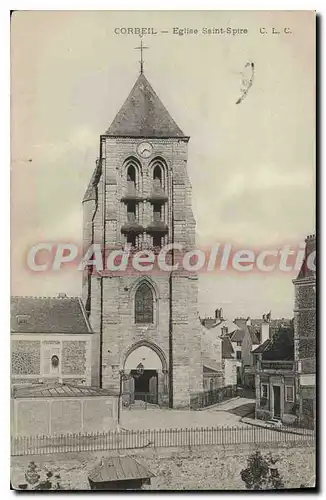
[{"x": 163, "y": 283}]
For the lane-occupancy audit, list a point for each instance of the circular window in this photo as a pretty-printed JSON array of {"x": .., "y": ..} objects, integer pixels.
[{"x": 55, "y": 361}]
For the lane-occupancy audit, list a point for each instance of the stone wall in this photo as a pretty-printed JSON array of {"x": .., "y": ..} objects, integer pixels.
[
  {"x": 115, "y": 299},
  {"x": 211, "y": 468},
  {"x": 25, "y": 357},
  {"x": 78, "y": 356},
  {"x": 305, "y": 318},
  {"x": 74, "y": 357}
]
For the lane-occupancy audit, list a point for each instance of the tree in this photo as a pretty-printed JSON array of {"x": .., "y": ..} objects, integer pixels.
[
  {"x": 34, "y": 481},
  {"x": 261, "y": 474}
]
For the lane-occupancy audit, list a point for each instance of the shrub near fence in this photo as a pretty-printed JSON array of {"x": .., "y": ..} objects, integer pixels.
[{"x": 156, "y": 438}]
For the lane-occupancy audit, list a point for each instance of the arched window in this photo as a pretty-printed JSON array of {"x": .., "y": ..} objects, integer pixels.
[
  {"x": 144, "y": 304},
  {"x": 132, "y": 172},
  {"x": 159, "y": 172}
]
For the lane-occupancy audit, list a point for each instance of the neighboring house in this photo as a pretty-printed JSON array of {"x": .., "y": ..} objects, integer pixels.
[
  {"x": 243, "y": 339},
  {"x": 220, "y": 327},
  {"x": 211, "y": 352},
  {"x": 229, "y": 362},
  {"x": 286, "y": 366},
  {"x": 305, "y": 336},
  {"x": 236, "y": 339},
  {"x": 275, "y": 377},
  {"x": 52, "y": 341}
]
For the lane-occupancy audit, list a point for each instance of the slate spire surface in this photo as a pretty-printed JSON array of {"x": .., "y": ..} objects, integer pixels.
[{"x": 143, "y": 115}]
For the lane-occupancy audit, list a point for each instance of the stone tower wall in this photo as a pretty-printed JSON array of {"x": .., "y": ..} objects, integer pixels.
[{"x": 120, "y": 332}]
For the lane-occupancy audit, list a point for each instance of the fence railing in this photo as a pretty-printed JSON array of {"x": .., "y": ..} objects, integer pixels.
[{"x": 156, "y": 438}]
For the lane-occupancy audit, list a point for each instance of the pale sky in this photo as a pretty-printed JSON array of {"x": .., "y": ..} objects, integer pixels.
[{"x": 252, "y": 165}]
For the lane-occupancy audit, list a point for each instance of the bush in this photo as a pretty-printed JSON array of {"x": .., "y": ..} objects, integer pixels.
[
  {"x": 261, "y": 473},
  {"x": 35, "y": 482}
]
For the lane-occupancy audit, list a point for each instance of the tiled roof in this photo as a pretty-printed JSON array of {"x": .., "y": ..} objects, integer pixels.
[
  {"x": 305, "y": 272},
  {"x": 143, "y": 115},
  {"x": 119, "y": 469},
  {"x": 262, "y": 347},
  {"x": 59, "y": 391},
  {"x": 254, "y": 334},
  {"x": 48, "y": 315},
  {"x": 237, "y": 336},
  {"x": 227, "y": 349},
  {"x": 207, "y": 368}
]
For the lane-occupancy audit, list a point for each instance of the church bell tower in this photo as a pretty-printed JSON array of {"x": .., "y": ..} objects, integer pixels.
[{"x": 140, "y": 195}]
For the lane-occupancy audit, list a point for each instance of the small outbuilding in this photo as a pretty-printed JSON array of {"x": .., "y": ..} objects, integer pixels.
[
  {"x": 52, "y": 409},
  {"x": 119, "y": 473}
]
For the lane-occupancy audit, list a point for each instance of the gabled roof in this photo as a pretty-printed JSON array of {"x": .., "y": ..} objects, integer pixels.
[
  {"x": 207, "y": 368},
  {"x": 262, "y": 347},
  {"x": 143, "y": 115},
  {"x": 305, "y": 272},
  {"x": 227, "y": 349},
  {"x": 48, "y": 315},
  {"x": 119, "y": 469},
  {"x": 254, "y": 334},
  {"x": 237, "y": 336}
]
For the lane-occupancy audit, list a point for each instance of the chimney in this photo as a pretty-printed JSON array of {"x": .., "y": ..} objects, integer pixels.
[
  {"x": 265, "y": 328},
  {"x": 224, "y": 330},
  {"x": 219, "y": 314}
]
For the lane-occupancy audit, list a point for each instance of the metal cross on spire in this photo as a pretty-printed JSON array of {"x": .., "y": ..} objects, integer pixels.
[{"x": 141, "y": 48}]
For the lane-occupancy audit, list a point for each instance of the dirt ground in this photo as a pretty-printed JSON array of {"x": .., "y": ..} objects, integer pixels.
[{"x": 153, "y": 418}]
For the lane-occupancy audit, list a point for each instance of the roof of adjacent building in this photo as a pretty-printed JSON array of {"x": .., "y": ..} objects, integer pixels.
[
  {"x": 237, "y": 336},
  {"x": 119, "y": 469},
  {"x": 305, "y": 271},
  {"x": 254, "y": 334},
  {"x": 262, "y": 347},
  {"x": 57, "y": 390},
  {"x": 143, "y": 115},
  {"x": 208, "y": 369},
  {"x": 227, "y": 349},
  {"x": 48, "y": 315}
]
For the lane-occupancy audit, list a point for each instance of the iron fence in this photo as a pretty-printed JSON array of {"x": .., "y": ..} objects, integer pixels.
[
  {"x": 208, "y": 398},
  {"x": 157, "y": 438}
]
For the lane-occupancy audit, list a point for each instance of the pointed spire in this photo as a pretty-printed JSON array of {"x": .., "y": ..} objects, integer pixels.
[{"x": 143, "y": 114}]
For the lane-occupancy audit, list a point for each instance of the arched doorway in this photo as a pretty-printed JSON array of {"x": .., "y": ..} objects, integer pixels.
[{"x": 146, "y": 366}]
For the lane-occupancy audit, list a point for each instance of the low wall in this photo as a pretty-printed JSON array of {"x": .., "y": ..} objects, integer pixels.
[{"x": 50, "y": 416}]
